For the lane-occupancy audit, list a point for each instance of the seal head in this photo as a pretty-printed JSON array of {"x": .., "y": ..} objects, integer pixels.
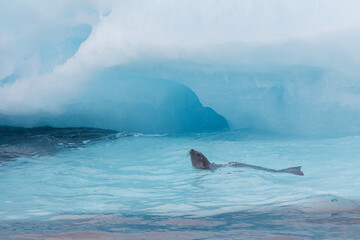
[{"x": 198, "y": 160}]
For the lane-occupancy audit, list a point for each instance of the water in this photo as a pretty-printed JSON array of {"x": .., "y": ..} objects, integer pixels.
[{"x": 131, "y": 186}]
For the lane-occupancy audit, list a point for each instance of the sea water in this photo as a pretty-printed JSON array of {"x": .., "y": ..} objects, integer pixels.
[{"x": 135, "y": 186}]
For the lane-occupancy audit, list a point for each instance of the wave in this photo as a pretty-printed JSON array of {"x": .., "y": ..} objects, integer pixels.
[{"x": 18, "y": 142}]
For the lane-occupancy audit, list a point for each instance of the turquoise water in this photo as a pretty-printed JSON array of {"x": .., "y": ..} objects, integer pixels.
[{"x": 150, "y": 178}]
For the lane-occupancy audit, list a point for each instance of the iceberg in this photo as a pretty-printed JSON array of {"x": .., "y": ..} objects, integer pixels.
[{"x": 264, "y": 65}]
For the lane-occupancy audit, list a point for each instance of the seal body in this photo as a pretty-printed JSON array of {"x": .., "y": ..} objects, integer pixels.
[{"x": 199, "y": 161}]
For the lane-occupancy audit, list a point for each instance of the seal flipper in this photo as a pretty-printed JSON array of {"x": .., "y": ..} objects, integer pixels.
[{"x": 293, "y": 170}]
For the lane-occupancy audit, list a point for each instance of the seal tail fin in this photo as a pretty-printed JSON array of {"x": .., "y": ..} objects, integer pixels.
[{"x": 293, "y": 170}]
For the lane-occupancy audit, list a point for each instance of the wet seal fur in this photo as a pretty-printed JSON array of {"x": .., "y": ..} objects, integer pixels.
[{"x": 199, "y": 161}]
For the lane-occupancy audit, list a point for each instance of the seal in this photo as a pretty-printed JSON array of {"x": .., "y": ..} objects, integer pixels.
[{"x": 199, "y": 161}]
